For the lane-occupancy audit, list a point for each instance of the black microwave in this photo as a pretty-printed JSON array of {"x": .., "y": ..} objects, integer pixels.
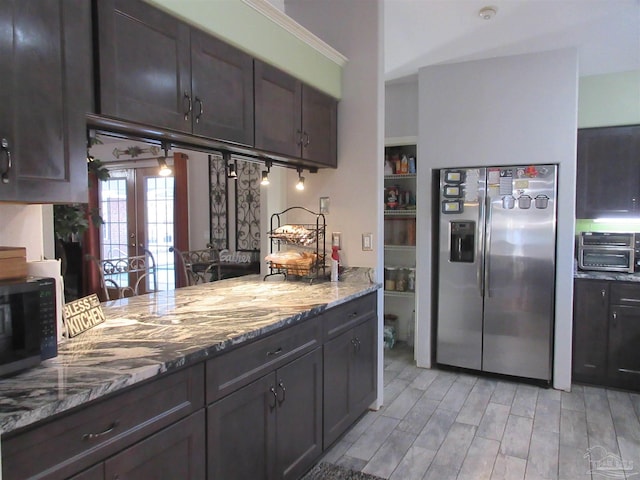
[{"x": 28, "y": 332}]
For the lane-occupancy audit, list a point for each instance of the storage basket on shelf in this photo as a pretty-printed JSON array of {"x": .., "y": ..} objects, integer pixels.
[{"x": 297, "y": 249}]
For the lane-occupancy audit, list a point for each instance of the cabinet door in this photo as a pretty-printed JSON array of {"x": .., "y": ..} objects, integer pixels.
[
  {"x": 299, "y": 415},
  {"x": 624, "y": 338},
  {"x": 337, "y": 355},
  {"x": 222, "y": 86},
  {"x": 350, "y": 371},
  {"x": 363, "y": 382},
  {"x": 93, "y": 473},
  {"x": 144, "y": 70},
  {"x": 278, "y": 110},
  {"x": 176, "y": 452},
  {"x": 241, "y": 433},
  {"x": 590, "y": 325},
  {"x": 46, "y": 93},
  {"x": 608, "y": 173},
  {"x": 319, "y": 127}
]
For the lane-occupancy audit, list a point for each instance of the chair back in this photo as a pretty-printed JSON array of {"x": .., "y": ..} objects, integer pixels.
[
  {"x": 127, "y": 276},
  {"x": 198, "y": 266}
]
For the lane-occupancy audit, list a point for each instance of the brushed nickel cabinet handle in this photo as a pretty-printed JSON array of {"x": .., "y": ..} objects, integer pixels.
[
  {"x": 284, "y": 391},
  {"x": 278, "y": 351},
  {"x": 5, "y": 146},
  {"x": 200, "y": 109},
  {"x": 93, "y": 436},
  {"x": 190, "y": 107}
]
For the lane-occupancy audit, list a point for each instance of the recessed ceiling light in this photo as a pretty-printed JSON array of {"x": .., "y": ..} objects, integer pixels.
[{"x": 487, "y": 13}]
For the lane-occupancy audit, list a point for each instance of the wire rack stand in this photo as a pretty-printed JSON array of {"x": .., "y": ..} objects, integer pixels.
[{"x": 297, "y": 249}]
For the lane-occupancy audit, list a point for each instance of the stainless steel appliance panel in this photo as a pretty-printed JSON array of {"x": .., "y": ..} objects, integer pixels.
[
  {"x": 520, "y": 273},
  {"x": 460, "y": 295}
]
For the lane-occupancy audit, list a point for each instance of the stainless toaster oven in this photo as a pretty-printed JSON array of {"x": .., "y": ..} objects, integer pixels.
[{"x": 607, "y": 252}]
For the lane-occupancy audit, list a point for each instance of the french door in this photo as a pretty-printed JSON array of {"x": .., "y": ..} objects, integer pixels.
[{"x": 137, "y": 206}]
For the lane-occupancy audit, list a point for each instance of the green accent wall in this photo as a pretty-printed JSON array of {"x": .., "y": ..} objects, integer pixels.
[
  {"x": 615, "y": 226},
  {"x": 242, "y": 26},
  {"x": 607, "y": 100}
]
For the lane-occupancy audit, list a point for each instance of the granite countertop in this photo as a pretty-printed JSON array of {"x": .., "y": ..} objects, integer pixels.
[
  {"x": 614, "y": 276},
  {"x": 148, "y": 335}
]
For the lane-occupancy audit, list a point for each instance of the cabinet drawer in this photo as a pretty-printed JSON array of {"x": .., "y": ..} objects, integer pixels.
[
  {"x": 68, "y": 444},
  {"x": 343, "y": 317},
  {"x": 232, "y": 370},
  {"x": 625, "y": 294}
]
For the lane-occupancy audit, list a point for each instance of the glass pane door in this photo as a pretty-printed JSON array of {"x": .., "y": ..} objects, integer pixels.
[{"x": 137, "y": 206}]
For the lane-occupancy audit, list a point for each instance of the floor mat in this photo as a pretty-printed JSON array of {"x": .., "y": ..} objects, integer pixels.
[{"x": 327, "y": 471}]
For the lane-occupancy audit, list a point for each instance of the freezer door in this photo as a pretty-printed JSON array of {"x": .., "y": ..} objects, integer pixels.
[
  {"x": 520, "y": 271},
  {"x": 459, "y": 325}
]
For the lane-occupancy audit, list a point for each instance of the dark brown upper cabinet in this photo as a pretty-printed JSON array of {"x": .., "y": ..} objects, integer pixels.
[
  {"x": 45, "y": 63},
  {"x": 294, "y": 119},
  {"x": 608, "y": 173},
  {"x": 156, "y": 70}
]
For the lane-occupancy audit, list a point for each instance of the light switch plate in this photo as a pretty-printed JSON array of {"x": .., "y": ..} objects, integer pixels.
[
  {"x": 336, "y": 240},
  {"x": 367, "y": 241},
  {"x": 324, "y": 204}
]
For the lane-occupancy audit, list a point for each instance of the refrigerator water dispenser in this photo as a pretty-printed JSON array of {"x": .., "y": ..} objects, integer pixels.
[{"x": 463, "y": 240}]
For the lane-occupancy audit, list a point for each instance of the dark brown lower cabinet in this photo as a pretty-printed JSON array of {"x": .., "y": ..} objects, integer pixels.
[
  {"x": 176, "y": 452},
  {"x": 590, "y": 330},
  {"x": 624, "y": 336},
  {"x": 265, "y": 402},
  {"x": 271, "y": 428},
  {"x": 606, "y": 333},
  {"x": 349, "y": 378}
]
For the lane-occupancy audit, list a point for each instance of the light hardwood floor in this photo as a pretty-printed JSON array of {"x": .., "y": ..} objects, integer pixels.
[{"x": 440, "y": 425}]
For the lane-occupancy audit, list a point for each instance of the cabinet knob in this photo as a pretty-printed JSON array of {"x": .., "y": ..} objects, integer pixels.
[
  {"x": 603, "y": 292},
  {"x": 4, "y": 143}
]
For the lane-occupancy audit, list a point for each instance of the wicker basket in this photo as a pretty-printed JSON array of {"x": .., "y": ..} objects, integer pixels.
[{"x": 301, "y": 267}]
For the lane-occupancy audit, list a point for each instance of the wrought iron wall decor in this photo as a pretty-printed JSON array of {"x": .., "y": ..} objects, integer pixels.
[
  {"x": 246, "y": 191},
  {"x": 218, "y": 203},
  {"x": 248, "y": 207}
]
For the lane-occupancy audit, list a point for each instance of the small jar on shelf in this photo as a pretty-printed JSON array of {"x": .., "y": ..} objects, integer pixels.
[{"x": 390, "y": 274}]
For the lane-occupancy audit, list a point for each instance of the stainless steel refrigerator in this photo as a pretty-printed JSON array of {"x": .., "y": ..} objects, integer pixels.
[{"x": 496, "y": 269}]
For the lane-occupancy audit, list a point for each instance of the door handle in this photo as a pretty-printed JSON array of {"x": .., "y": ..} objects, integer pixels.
[
  {"x": 4, "y": 143},
  {"x": 106, "y": 431},
  {"x": 284, "y": 391},
  {"x": 190, "y": 107},
  {"x": 200, "y": 109},
  {"x": 487, "y": 256},
  {"x": 275, "y": 396}
]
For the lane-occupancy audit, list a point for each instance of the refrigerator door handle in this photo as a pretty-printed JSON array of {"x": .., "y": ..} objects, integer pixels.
[
  {"x": 480, "y": 246},
  {"x": 487, "y": 256}
]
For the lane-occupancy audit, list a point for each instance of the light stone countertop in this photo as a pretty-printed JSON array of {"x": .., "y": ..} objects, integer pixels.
[{"x": 148, "y": 335}]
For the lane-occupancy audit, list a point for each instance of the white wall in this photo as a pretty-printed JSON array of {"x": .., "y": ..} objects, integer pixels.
[
  {"x": 509, "y": 110},
  {"x": 401, "y": 108},
  {"x": 355, "y": 189},
  {"x": 22, "y": 227}
]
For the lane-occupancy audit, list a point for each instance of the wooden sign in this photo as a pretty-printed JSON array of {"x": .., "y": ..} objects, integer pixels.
[{"x": 82, "y": 314}]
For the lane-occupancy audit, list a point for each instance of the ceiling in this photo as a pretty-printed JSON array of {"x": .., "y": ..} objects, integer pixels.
[{"x": 419, "y": 33}]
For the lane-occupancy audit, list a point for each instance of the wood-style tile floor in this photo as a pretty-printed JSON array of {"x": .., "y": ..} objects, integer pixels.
[{"x": 440, "y": 425}]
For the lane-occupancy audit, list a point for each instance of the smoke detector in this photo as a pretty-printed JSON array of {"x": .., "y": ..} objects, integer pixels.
[{"x": 487, "y": 13}]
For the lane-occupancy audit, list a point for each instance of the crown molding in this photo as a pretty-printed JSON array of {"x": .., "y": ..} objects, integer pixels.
[{"x": 297, "y": 30}]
